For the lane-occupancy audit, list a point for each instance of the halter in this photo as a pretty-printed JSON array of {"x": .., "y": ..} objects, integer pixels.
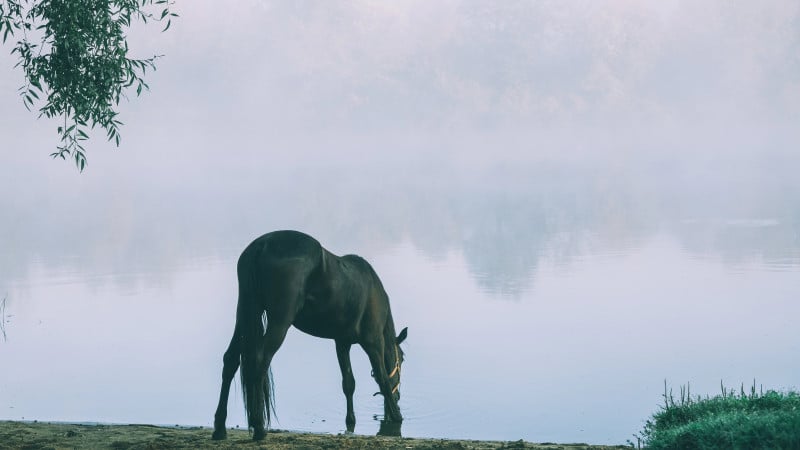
[{"x": 396, "y": 370}]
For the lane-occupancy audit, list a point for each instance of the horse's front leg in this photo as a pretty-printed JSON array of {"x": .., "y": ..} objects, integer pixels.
[
  {"x": 390, "y": 406},
  {"x": 348, "y": 382}
]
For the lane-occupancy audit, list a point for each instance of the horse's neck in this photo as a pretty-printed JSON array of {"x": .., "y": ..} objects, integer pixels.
[{"x": 390, "y": 351}]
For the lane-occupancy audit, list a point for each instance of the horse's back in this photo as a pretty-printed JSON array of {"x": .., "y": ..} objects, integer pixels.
[
  {"x": 283, "y": 244},
  {"x": 278, "y": 262}
]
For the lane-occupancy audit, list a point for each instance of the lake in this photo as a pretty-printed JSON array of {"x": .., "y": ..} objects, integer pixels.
[{"x": 545, "y": 300}]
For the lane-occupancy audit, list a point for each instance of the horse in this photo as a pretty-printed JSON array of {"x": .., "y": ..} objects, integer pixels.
[{"x": 288, "y": 278}]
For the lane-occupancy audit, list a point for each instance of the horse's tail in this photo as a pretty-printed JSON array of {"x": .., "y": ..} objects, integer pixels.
[{"x": 257, "y": 388}]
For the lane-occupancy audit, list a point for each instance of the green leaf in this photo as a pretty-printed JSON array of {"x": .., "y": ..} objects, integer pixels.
[
  {"x": 78, "y": 65},
  {"x": 80, "y": 160}
]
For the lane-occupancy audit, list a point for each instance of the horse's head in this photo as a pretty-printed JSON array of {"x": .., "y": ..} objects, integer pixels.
[{"x": 394, "y": 372}]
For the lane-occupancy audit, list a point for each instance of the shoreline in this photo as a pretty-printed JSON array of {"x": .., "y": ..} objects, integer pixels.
[{"x": 35, "y": 434}]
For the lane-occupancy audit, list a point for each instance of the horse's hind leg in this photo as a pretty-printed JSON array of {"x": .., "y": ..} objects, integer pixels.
[
  {"x": 230, "y": 363},
  {"x": 348, "y": 382},
  {"x": 273, "y": 338}
]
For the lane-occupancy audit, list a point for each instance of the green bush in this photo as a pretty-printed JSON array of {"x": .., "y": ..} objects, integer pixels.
[{"x": 754, "y": 420}]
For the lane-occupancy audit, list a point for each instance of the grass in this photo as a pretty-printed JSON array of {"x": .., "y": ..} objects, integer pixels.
[
  {"x": 732, "y": 420},
  {"x": 3, "y": 318}
]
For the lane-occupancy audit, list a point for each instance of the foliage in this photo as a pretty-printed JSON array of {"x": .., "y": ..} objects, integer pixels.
[
  {"x": 732, "y": 420},
  {"x": 74, "y": 54}
]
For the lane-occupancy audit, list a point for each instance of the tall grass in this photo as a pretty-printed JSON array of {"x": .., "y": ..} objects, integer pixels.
[
  {"x": 3, "y": 318},
  {"x": 732, "y": 420}
]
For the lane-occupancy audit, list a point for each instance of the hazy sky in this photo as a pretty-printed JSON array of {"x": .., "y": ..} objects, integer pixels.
[
  {"x": 443, "y": 64},
  {"x": 685, "y": 71}
]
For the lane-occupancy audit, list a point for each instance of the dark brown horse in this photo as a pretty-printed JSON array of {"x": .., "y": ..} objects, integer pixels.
[{"x": 288, "y": 276}]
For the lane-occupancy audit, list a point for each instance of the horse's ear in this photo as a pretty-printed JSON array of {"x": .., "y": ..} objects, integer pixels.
[{"x": 402, "y": 336}]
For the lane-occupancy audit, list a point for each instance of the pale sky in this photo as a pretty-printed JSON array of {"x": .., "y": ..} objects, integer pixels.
[
  {"x": 517, "y": 64},
  {"x": 277, "y": 70}
]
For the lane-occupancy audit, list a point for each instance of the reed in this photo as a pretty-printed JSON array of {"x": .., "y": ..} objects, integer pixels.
[{"x": 3, "y": 318}]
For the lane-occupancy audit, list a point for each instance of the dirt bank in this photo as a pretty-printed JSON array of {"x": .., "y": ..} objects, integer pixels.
[{"x": 28, "y": 435}]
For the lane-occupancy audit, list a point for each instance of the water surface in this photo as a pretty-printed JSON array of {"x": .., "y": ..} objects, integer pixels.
[{"x": 538, "y": 306}]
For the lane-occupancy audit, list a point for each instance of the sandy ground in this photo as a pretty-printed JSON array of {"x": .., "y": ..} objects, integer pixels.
[{"x": 40, "y": 435}]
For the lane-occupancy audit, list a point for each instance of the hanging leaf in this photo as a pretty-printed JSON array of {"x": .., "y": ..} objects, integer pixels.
[{"x": 79, "y": 61}]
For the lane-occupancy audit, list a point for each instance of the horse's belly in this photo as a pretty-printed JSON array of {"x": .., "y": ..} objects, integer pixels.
[{"x": 324, "y": 326}]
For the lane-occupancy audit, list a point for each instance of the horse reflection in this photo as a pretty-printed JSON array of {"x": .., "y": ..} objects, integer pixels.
[{"x": 389, "y": 428}]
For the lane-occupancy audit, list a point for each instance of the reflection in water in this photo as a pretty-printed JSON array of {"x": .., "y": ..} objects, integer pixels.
[
  {"x": 736, "y": 242},
  {"x": 3, "y": 319},
  {"x": 505, "y": 222},
  {"x": 390, "y": 428}
]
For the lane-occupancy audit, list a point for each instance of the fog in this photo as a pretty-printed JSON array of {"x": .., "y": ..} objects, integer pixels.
[
  {"x": 492, "y": 129},
  {"x": 515, "y": 140},
  {"x": 531, "y": 78},
  {"x": 365, "y": 67}
]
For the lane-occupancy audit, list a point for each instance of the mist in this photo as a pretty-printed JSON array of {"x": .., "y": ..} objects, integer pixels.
[{"x": 504, "y": 152}]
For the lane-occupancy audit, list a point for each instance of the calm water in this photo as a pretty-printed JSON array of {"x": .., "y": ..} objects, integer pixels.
[{"x": 544, "y": 302}]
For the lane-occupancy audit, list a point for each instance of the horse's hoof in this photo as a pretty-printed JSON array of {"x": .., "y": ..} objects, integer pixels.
[{"x": 219, "y": 435}]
